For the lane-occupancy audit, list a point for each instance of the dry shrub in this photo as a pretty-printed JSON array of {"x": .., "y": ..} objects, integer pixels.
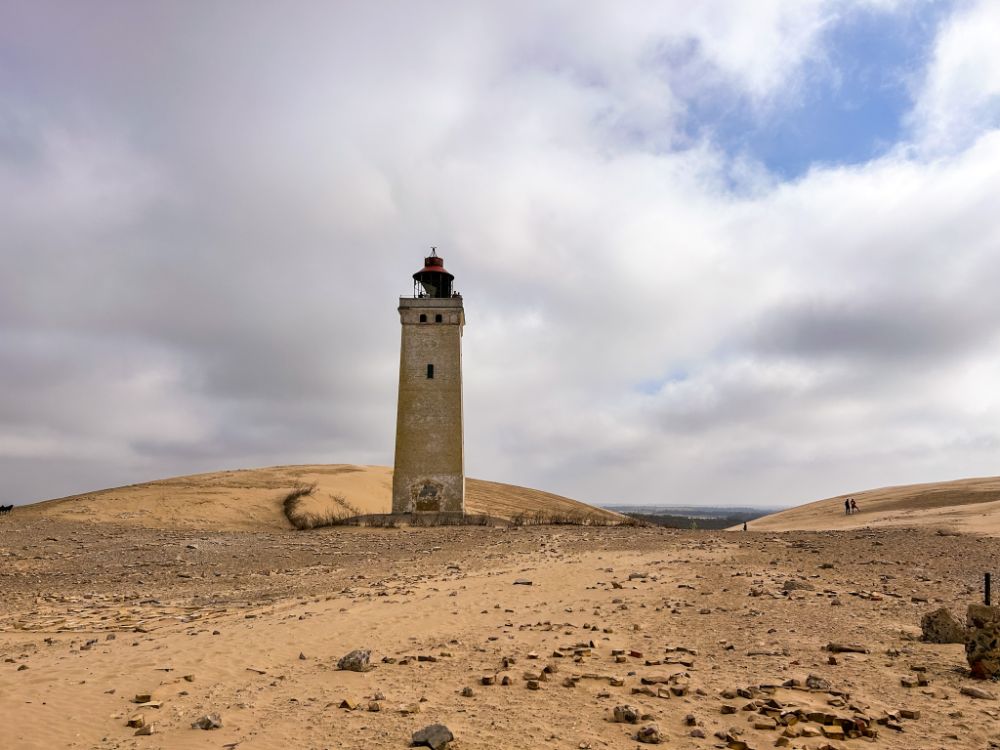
[
  {"x": 538, "y": 518},
  {"x": 294, "y": 506}
]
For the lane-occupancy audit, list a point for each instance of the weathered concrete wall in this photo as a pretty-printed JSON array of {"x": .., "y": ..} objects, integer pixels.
[{"x": 429, "y": 472}]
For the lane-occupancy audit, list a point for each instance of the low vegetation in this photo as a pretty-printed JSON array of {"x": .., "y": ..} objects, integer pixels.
[
  {"x": 296, "y": 509},
  {"x": 672, "y": 521},
  {"x": 305, "y": 511}
]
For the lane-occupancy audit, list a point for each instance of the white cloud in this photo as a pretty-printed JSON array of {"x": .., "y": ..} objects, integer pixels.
[{"x": 960, "y": 94}]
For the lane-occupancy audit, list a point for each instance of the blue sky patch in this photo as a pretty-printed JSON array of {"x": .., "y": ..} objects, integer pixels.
[{"x": 849, "y": 105}]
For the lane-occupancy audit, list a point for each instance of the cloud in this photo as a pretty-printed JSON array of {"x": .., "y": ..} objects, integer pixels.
[
  {"x": 209, "y": 213},
  {"x": 959, "y": 96}
]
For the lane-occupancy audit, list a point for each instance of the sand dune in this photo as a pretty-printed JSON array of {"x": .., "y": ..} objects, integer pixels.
[
  {"x": 251, "y": 499},
  {"x": 965, "y": 505}
]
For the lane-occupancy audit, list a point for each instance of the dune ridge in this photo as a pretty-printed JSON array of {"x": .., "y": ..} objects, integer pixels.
[
  {"x": 251, "y": 499},
  {"x": 961, "y": 505}
]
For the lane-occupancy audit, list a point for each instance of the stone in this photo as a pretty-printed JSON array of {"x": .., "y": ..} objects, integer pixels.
[
  {"x": 208, "y": 721},
  {"x": 143, "y": 731},
  {"x": 626, "y": 714},
  {"x": 649, "y": 734},
  {"x": 795, "y": 585},
  {"x": 434, "y": 736},
  {"x": 135, "y": 721},
  {"x": 815, "y": 682},
  {"x": 358, "y": 660},
  {"x": 974, "y": 692},
  {"x": 940, "y": 626},
  {"x": 982, "y": 645},
  {"x": 833, "y": 732},
  {"x": 467, "y": 692},
  {"x": 846, "y": 648},
  {"x": 522, "y": 582},
  {"x": 142, "y": 698}
]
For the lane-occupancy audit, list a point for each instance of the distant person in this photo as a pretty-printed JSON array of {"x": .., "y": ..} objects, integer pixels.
[
  {"x": 847, "y": 506},
  {"x": 744, "y": 525},
  {"x": 854, "y": 506}
]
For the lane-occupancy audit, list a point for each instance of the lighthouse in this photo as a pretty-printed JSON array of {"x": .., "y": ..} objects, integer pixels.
[{"x": 429, "y": 467}]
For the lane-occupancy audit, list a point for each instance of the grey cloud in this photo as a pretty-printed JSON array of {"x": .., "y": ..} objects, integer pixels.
[
  {"x": 209, "y": 212},
  {"x": 894, "y": 331}
]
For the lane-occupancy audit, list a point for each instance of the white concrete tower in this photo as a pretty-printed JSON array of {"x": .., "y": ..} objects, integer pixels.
[{"x": 429, "y": 472}]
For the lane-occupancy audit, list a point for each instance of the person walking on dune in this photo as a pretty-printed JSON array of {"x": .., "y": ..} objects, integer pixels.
[
  {"x": 854, "y": 506},
  {"x": 847, "y": 506}
]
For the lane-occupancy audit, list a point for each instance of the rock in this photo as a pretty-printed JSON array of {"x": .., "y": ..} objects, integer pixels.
[
  {"x": 208, "y": 721},
  {"x": 142, "y": 698},
  {"x": 815, "y": 682},
  {"x": 358, "y": 660},
  {"x": 435, "y": 736},
  {"x": 649, "y": 734},
  {"x": 467, "y": 692},
  {"x": 626, "y": 714},
  {"x": 974, "y": 692},
  {"x": 982, "y": 645},
  {"x": 846, "y": 648},
  {"x": 144, "y": 731},
  {"x": 795, "y": 585},
  {"x": 940, "y": 626},
  {"x": 522, "y": 582},
  {"x": 135, "y": 721}
]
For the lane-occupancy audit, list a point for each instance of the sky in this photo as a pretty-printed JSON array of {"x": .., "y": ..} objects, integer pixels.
[{"x": 711, "y": 253}]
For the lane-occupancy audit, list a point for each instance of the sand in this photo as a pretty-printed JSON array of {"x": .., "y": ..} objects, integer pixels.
[
  {"x": 214, "y": 621},
  {"x": 128, "y": 595},
  {"x": 964, "y": 505}
]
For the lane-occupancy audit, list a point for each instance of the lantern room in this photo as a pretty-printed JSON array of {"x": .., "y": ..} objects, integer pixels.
[{"x": 433, "y": 280}]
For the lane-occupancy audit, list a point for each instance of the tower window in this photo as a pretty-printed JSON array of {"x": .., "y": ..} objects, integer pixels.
[
  {"x": 438, "y": 318},
  {"x": 423, "y": 318},
  {"x": 430, "y": 372}
]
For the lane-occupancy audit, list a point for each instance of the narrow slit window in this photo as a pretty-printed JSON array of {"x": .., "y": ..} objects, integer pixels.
[
  {"x": 430, "y": 372},
  {"x": 423, "y": 318},
  {"x": 439, "y": 318}
]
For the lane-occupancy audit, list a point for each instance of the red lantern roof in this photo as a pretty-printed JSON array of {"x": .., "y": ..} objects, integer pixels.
[{"x": 433, "y": 264}]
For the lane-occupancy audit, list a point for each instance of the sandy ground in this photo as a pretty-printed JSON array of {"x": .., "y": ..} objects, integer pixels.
[
  {"x": 965, "y": 505},
  {"x": 251, "y": 625},
  {"x": 251, "y": 499}
]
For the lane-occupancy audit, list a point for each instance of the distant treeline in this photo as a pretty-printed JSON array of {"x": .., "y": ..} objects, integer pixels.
[{"x": 671, "y": 521}]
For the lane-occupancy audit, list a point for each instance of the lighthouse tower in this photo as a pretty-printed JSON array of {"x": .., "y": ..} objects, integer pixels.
[{"x": 429, "y": 472}]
